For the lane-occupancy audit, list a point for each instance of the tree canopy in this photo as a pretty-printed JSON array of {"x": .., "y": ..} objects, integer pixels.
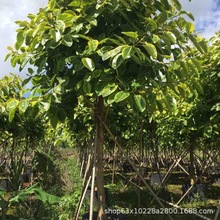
[{"x": 120, "y": 50}]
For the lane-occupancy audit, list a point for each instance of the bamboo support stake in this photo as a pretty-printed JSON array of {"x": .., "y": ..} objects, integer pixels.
[
  {"x": 93, "y": 184},
  {"x": 217, "y": 212},
  {"x": 87, "y": 169},
  {"x": 92, "y": 194},
  {"x": 82, "y": 199},
  {"x": 133, "y": 166}
]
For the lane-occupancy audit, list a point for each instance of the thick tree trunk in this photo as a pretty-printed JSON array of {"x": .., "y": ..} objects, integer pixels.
[{"x": 99, "y": 157}]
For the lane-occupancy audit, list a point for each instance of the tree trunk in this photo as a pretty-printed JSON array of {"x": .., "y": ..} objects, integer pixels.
[
  {"x": 99, "y": 157},
  {"x": 141, "y": 147},
  {"x": 191, "y": 155}
]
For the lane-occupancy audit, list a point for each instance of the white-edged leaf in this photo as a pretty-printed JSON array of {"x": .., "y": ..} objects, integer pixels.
[
  {"x": 23, "y": 105},
  {"x": 151, "y": 49},
  {"x": 108, "y": 90},
  {"x": 120, "y": 96},
  {"x": 117, "y": 61},
  {"x": 93, "y": 44},
  {"x": 88, "y": 63},
  {"x": 67, "y": 40},
  {"x": 131, "y": 34},
  {"x": 127, "y": 52},
  {"x": 171, "y": 36},
  {"x": 112, "y": 53},
  {"x": 140, "y": 102},
  {"x": 11, "y": 104}
]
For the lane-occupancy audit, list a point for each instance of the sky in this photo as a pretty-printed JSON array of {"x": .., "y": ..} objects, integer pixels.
[{"x": 206, "y": 13}]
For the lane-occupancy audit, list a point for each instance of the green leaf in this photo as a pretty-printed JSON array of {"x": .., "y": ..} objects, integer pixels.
[
  {"x": 58, "y": 89},
  {"x": 117, "y": 61},
  {"x": 208, "y": 132},
  {"x": 115, "y": 41},
  {"x": 126, "y": 52},
  {"x": 192, "y": 67},
  {"x": 26, "y": 81},
  {"x": 108, "y": 90},
  {"x": 198, "y": 86},
  {"x": 159, "y": 106},
  {"x": 197, "y": 64},
  {"x": 131, "y": 34},
  {"x": 54, "y": 120},
  {"x": 112, "y": 53},
  {"x": 23, "y": 105},
  {"x": 152, "y": 23},
  {"x": 30, "y": 70},
  {"x": 216, "y": 107},
  {"x": 60, "y": 26},
  {"x": 171, "y": 36},
  {"x": 93, "y": 44},
  {"x": 11, "y": 114},
  {"x": 92, "y": 21},
  {"x": 61, "y": 114},
  {"x": 78, "y": 66},
  {"x": 61, "y": 64},
  {"x": 190, "y": 15},
  {"x": 68, "y": 17},
  {"x": 111, "y": 99},
  {"x": 9, "y": 48},
  {"x": 120, "y": 96},
  {"x": 87, "y": 87},
  {"x": 121, "y": 39},
  {"x": 189, "y": 27},
  {"x": 88, "y": 63},
  {"x": 56, "y": 35},
  {"x": 38, "y": 192},
  {"x": 151, "y": 49},
  {"x": 7, "y": 56},
  {"x": 51, "y": 4},
  {"x": 140, "y": 102},
  {"x": 67, "y": 40},
  {"x": 45, "y": 105},
  {"x": 162, "y": 18},
  {"x": 96, "y": 73},
  {"x": 168, "y": 102},
  {"x": 177, "y": 4},
  {"x": 20, "y": 40},
  {"x": 155, "y": 38},
  {"x": 197, "y": 44},
  {"x": 75, "y": 3},
  {"x": 181, "y": 91},
  {"x": 24, "y": 60},
  {"x": 203, "y": 45},
  {"x": 11, "y": 104}
]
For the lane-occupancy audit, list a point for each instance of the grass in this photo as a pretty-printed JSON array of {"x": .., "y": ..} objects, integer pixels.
[{"x": 125, "y": 195}]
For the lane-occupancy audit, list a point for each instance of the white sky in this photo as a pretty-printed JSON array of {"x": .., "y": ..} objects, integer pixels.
[{"x": 206, "y": 13}]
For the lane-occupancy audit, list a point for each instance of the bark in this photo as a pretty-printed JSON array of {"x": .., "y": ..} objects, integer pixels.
[
  {"x": 191, "y": 155},
  {"x": 99, "y": 157},
  {"x": 141, "y": 147}
]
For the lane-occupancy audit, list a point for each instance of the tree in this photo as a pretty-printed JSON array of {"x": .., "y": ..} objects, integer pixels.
[{"x": 110, "y": 52}]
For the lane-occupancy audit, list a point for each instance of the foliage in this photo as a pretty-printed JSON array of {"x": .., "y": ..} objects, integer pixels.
[
  {"x": 8, "y": 200},
  {"x": 211, "y": 86},
  {"x": 111, "y": 49},
  {"x": 200, "y": 115},
  {"x": 68, "y": 205}
]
